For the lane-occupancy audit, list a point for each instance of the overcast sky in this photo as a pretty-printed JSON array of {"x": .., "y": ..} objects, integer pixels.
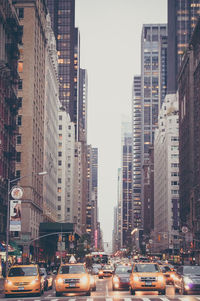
[{"x": 110, "y": 32}]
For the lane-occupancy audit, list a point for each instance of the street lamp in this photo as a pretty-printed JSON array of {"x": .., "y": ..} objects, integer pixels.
[{"x": 42, "y": 173}]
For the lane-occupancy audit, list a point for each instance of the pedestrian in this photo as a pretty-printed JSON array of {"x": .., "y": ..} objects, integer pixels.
[{"x": 3, "y": 266}]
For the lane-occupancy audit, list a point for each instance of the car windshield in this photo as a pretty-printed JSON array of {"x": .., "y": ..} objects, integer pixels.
[
  {"x": 72, "y": 269},
  {"x": 149, "y": 268},
  {"x": 23, "y": 271},
  {"x": 43, "y": 271},
  {"x": 122, "y": 270},
  {"x": 191, "y": 270}
]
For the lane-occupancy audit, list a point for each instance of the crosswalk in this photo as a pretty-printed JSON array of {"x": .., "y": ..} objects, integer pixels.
[{"x": 103, "y": 298}]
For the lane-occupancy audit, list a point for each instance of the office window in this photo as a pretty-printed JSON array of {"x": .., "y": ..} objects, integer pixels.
[
  {"x": 18, "y": 173},
  {"x": 20, "y": 84},
  {"x": 18, "y": 157},
  {"x": 21, "y": 13},
  {"x": 59, "y": 207},
  {"x": 19, "y": 120},
  {"x": 19, "y": 102},
  {"x": 59, "y": 162},
  {"x": 19, "y": 139},
  {"x": 59, "y": 180}
]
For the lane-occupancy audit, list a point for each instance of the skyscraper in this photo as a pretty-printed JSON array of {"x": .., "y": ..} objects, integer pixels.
[
  {"x": 62, "y": 14},
  {"x": 126, "y": 183},
  {"x": 182, "y": 18},
  {"x": 153, "y": 86}
]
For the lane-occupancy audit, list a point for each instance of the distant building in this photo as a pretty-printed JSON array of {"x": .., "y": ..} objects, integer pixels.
[
  {"x": 166, "y": 178},
  {"x": 10, "y": 37},
  {"x": 153, "y": 87},
  {"x": 127, "y": 213},
  {"x": 65, "y": 176}
]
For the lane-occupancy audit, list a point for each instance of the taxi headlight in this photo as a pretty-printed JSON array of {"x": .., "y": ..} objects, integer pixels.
[
  {"x": 92, "y": 280},
  {"x": 160, "y": 278},
  {"x": 100, "y": 272},
  {"x": 59, "y": 280},
  {"x": 84, "y": 280},
  {"x": 173, "y": 276},
  {"x": 135, "y": 278},
  {"x": 34, "y": 281},
  {"x": 8, "y": 282},
  {"x": 115, "y": 279},
  {"x": 187, "y": 280}
]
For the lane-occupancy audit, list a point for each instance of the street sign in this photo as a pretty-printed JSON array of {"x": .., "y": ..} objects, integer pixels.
[{"x": 184, "y": 229}]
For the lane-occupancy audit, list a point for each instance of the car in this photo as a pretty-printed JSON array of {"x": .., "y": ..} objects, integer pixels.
[
  {"x": 72, "y": 278},
  {"x": 121, "y": 277},
  {"x": 24, "y": 279},
  {"x": 147, "y": 277},
  {"x": 105, "y": 271},
  {"x": 48, "y": 279},
  {"x": 188, "y": 279},
  {"x": 169, "y": 273}
]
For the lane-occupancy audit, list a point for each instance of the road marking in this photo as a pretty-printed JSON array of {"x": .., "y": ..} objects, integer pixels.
[
  {"x": 109, "y": 299},
  {"x": 107, "y": 292},
  {"x": 164, "y": 298},
  {"x": 146, "y": 299},
  {"x": 89, "y": 299},
  {"x": 127, "y": 299}
]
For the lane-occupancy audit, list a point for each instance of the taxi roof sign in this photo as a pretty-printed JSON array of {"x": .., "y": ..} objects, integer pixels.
[{"x": 72, "y": 259}]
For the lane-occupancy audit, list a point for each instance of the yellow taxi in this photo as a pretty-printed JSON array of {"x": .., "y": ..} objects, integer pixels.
[
  {"x": 169, "y": 273},
  {"x": 147, "y": 277},
  {"x": 72, "y": 278},
  {"x": 24, "y": 279}
]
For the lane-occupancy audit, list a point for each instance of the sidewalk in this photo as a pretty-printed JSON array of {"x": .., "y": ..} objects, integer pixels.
[{"x": 1, "y": 285}]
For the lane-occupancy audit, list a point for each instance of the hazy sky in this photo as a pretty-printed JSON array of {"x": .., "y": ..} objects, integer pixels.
[{"x": 110, "y": 32}]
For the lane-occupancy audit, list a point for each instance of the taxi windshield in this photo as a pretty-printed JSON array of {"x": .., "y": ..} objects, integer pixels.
[
  {"x": 72, "y": 269},
  {"x": 23, "y": 271},
  {"x": 149, "y": 268}
]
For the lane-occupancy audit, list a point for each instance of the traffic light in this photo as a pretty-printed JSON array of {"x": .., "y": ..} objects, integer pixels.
[
  {"x": 71, "y": 237},
  {"x": 60, "y": 238}
]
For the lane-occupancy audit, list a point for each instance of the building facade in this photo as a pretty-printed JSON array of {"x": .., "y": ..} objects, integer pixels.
[
  {"x": 182, "y": 18},
  {"x": 153, "y": 86},
  {"x": 9, "y": 54},
  {"x": 65, "y": 180},
  {"x": 127, "y": 213},
  {"x": 30, "y": 119},
  {"x": 166, "y": 178},
  {"x": 51, "y": 126}
]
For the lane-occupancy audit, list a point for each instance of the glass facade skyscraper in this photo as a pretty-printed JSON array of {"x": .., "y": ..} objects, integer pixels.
[{"x": 182, "y": 18}]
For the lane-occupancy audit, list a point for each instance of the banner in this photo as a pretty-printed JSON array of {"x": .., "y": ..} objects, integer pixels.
[{"x": 15, "y": 215}]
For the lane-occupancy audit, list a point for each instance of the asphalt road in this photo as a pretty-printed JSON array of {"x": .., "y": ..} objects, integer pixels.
[{"x": 104, "y": 293}]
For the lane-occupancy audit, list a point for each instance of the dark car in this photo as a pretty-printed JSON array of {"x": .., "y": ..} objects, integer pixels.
[
  {"x": 188, "y": 279},
  {"x": 121, "y": 277}
]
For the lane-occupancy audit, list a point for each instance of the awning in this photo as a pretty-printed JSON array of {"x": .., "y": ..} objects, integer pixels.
[{"x": 13, "y": 248}]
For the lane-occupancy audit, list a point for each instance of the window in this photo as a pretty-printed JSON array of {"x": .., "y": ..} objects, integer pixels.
[
  {"x": 18, "y": 173},
  {"x": 174, "y": 183},
  {"x": 19, "y": 120},
  {"x": 20, "y": 66},
  {"x": 60, "y": 127},
  {"x": 59, "y": 180},
  {"x": 18, "y": 157},
  {"x": 59, "y": 207},
  {"x": 59, "y": 154},
  {"x": 19, "y": 139},
  {"x": 19, "y": 102},
  {"x": 21, "y": 13},
  {"x": 20, "y": 84},
  {"x": 59, "y": 162},
  {"x": 68, "y": 209},
  {"x": 60, "y": 117},
  {"x": 59, "y": 198}
]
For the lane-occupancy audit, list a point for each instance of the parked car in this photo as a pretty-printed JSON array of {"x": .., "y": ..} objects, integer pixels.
[
  {"x": 121, "y": 277},
  {"x": 188, "y": 279}
]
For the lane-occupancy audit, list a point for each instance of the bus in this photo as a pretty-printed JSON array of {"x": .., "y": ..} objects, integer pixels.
[{"x": 96, "y": 258}]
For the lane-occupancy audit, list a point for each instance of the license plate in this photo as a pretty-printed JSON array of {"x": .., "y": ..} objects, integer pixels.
[
  {"x": 72, "y": 285},
  {"x": 20, "y": 288},
  {"x": 148, "y": 283}
]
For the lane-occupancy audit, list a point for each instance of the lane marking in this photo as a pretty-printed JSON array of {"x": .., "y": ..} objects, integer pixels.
[
  {"x": 127, "y": 299},
  {"x": 146, "y": 299}
]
